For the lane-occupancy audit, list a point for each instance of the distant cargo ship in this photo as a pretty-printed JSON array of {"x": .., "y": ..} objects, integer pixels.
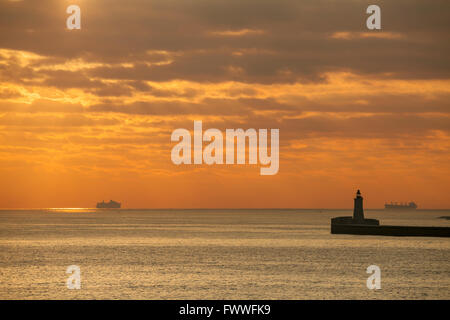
[
  {"x": 400, "y": 206},
  {"x": 108, "y": 205}
]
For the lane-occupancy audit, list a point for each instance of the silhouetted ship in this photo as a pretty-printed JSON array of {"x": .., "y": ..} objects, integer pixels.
[
  {"x": 108, "y": 205},
  {"x": 400, "y": 206},
  {"x": 359, "y": 225}
]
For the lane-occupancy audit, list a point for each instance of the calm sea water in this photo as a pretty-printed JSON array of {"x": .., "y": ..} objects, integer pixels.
[{"x": 215, "y": 254}]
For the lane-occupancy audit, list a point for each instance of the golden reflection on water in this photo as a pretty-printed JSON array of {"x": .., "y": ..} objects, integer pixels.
[
  {"x": 215, "y": 254},
  {"x": 72, "y": 210}
]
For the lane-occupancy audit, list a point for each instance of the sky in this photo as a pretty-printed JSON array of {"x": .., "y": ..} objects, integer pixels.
[{"x": 87, "y": 115}]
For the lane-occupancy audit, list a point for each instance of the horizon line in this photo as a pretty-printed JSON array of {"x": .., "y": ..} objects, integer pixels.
[{"x": 168, "y": 208}]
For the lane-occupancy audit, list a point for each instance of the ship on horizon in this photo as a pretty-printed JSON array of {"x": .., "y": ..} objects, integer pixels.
[
  {"x": 400, "y": 206},
  {"x": 108, "y": 205}
]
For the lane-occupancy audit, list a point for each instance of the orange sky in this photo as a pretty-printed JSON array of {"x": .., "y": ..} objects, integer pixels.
[{"x": 86, "y": 115}]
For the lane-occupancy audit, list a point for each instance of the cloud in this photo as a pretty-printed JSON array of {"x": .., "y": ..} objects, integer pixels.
[
  {"x": 10, "y": 120},
  {"x": 345, "y": 35},
  {"x": 198, "y": 41},
  {"x": 236, "y": 33}
]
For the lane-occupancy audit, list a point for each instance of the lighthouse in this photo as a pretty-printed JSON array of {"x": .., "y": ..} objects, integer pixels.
[
  {"x": 341, "y": 224},
  {"x": 357, "y": 224},
  {"x": 358, "y": 211}
]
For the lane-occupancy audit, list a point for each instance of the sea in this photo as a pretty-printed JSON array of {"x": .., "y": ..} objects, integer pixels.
[{"x": 216, "y": 254}]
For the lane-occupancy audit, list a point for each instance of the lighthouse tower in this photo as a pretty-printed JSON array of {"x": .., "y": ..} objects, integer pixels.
[
  {"x": 342, "y": 224},
  {"x": 358, "y": 211}
]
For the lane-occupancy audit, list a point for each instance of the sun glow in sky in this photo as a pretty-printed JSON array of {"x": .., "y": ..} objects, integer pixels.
[{"x": 86, "y": 115}]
